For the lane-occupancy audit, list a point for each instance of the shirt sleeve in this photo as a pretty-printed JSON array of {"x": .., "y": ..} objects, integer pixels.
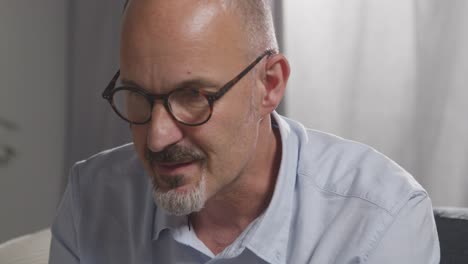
[
  {"x": 64, "y": 245},
  {"x": 412, "y": 237}
]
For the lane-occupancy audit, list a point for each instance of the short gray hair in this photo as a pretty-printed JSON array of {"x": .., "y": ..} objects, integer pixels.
[{"x": 257, "y": 18}]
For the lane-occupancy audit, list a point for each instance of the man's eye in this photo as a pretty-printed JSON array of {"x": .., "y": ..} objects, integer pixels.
[
  {"x": 194, "y": 92},
  {"x": 188, "y": 94}
]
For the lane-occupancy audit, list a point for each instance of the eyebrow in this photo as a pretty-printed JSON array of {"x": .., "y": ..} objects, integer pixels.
[{"x": 191, "y": 83}]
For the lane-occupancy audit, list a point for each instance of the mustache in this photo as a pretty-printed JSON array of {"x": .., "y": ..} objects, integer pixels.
[{"x": 174, "y": 154}]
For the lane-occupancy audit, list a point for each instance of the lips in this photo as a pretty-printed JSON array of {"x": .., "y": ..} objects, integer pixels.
[
  {"x": 175, "y": 176},
  {"x": 172, "y": 168}
]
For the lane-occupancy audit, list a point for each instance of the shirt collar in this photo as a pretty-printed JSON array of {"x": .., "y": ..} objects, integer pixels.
[
  {"x": 164, "y": 220},
  {"x": 271, "y": 238}
]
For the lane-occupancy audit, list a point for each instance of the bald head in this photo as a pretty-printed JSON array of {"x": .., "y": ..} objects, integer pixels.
[
  {"x": 255, "y": 18},
  {"x": 190, "y": 27},
  {"x": 166, "y": 42}
]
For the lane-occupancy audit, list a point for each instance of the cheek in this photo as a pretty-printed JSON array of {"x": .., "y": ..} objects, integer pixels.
[
  {"x": 139, "y": 139},
  {"x": 231, "y": 130},
  {"x": 228, "y": 143}
]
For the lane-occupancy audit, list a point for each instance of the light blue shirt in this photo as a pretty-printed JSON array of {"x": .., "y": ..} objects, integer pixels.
[{"x": 335, "y": 201}]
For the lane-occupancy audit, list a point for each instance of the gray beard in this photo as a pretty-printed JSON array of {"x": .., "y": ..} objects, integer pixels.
[{"x": 182, "y": 203}]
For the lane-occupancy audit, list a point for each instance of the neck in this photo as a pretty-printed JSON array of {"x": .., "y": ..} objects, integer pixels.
[{"x": 226, "y": 215}]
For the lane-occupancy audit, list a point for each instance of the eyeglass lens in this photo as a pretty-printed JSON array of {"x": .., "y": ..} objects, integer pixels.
[{"x": 186, "y": 105}]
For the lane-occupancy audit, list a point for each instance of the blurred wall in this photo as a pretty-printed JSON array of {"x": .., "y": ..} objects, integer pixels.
[{"x": 32, "y": 82}]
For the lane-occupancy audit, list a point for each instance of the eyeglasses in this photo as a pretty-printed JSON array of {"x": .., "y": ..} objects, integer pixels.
[{"x": 189, "y": 106}]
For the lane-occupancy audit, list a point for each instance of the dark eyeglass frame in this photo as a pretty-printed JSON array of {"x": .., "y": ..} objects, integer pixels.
[{"x": 210, "y": 97}]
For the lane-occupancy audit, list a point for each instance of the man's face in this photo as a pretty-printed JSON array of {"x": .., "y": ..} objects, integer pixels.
[{"x": 172, "y": 44}]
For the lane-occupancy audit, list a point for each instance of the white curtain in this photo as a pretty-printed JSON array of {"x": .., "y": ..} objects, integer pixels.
[{"x": 389, "y": 73}]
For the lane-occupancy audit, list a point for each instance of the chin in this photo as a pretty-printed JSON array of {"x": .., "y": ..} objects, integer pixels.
[{"x": 181, "y": 200}]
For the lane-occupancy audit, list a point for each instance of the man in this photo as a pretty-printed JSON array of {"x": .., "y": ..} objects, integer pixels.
[{"x": 214, "y": 175}]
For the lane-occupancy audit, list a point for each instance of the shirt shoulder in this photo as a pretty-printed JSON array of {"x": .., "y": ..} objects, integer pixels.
[
  {"x": 111, "y": 176},
  {"x": 111, "y": 203},
  {"x": 348, "y": 198},
  {"x": 350, "y": 169},
  {"x": 114, "y": 166}
]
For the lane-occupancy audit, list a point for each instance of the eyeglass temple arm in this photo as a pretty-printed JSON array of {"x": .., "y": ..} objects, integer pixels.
[
  {"x": 231, "y": 83},
  {"x": 111, "y": 85}
]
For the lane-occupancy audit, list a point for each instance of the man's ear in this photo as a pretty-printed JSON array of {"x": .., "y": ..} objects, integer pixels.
[{"x": 274, "y": 81}]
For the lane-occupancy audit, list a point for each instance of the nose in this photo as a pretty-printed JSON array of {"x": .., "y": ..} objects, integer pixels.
[{"x": 163, "y": 130}]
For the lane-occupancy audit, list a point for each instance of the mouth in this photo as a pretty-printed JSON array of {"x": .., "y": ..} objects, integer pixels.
[
  {"x": 168, "y": 170},
  {"x": 175, "y": 167},
  {"x": 172, "y": 167},
  {"x": 177, "y": 176}
]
